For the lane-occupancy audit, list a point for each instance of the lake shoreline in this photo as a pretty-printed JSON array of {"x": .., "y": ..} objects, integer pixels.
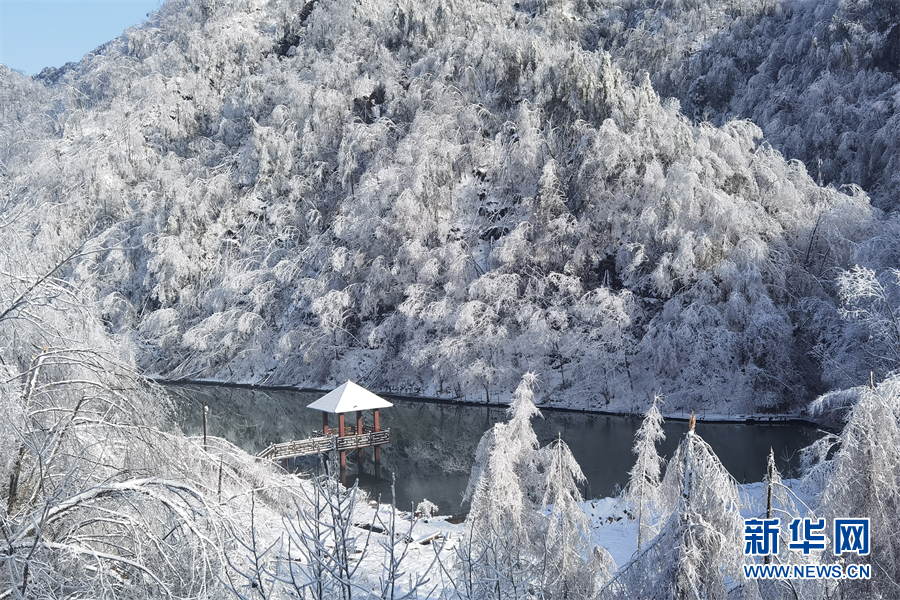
[{"x": 701, "y": 418}]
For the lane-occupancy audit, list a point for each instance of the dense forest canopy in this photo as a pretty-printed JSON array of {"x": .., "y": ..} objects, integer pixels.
[
  {"x": 439, "y": 196},
  {"x": 819, "y": 78}
]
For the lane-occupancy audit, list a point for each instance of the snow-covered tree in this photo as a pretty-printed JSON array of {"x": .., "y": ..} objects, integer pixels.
[
  {"x": 862, "y": 480},
  {"x": 525, "y": 530},
  {"x": 103, "y": 498},
  {"x": 503, "y": 525},
  {"x": 642, "y": 490},
  {"x": 781, "y": 501},
  {"x": 874, "y": 305},
  {"x": 572, "y": 566},
  {"x": 700, "y": 544}
]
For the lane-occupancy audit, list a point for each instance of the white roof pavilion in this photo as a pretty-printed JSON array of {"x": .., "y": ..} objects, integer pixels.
[{"x": 347, "y": 398}]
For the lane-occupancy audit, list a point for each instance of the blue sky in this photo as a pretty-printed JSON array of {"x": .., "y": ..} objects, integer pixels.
[{"x": 49, "y": 33}]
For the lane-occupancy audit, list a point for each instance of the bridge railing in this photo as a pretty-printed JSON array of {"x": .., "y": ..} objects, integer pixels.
[
  {"x": 373, "y": 438},
  {"x": 321, "y": 444}
]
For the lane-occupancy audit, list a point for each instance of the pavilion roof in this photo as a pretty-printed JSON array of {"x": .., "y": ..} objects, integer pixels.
[{"x": 347, "y": 398}]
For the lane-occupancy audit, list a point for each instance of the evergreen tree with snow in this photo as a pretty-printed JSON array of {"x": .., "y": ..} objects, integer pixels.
[
  {"x": 700, "y": 544},
  {"x": 525, "y": 530},
  {"x": 571, "y": 566},
  {"x": 503, "y": 527},
  {"x": 642, "y": 490},
  {"x": 862, "y": 480}
]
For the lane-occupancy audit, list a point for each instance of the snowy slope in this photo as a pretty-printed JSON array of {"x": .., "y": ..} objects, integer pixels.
[{"x": 436, "y": 198}]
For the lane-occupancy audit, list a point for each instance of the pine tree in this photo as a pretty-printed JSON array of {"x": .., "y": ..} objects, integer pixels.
[
  {"x": 862, "y": 480},
  {"x": 526, "y": 532},
  {"x": 701, "y": 541},
  {"x": 642, "y": 491},
  {"x": 498, "y": 556},
  {"x": 571, "y": 565},
  {"x": 781, "y": 503}
]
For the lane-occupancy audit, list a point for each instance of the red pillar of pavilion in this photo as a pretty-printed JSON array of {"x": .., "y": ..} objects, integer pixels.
[
  {"x": 341, "y": 433},
  {"x": 377, "y": 449},
  {"x": 359, "y": 431}
]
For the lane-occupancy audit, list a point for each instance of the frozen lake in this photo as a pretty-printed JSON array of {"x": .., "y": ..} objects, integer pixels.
[{"x": 433, "y": 444}]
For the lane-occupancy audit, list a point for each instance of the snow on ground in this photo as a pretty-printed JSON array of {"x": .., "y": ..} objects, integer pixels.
[
  {"x": 425, "y": 539},
  {"x": 419, "y": 542},
  {"x": 422, "y": 538},
  {"x": 616, "y": 530},
  {"x": 613, "y": 528}
]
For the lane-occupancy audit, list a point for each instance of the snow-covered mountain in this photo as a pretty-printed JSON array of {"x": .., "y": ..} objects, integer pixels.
[
  {"x": 439, "y": 196},
  {"x": 819, "y": 78}
]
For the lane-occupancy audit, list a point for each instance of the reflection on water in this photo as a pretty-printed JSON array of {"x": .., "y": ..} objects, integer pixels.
[{"x": 433, "y": 445}]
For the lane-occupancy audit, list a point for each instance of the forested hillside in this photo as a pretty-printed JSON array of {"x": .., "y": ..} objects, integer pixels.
[
  {"x": 819, "y": 78},
  {"x": 438, "y": 196},
  {"x": 589, "y": 202}
]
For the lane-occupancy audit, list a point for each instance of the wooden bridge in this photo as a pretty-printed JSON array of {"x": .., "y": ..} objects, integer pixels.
[{"x": 326, "y": 443}]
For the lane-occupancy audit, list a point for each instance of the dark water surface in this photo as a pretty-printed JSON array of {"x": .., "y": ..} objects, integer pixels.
[{"x": 433, "y": 444}]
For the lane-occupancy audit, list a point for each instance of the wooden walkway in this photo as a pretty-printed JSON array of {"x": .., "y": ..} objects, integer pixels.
[{"x": 327, "y": 443}]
